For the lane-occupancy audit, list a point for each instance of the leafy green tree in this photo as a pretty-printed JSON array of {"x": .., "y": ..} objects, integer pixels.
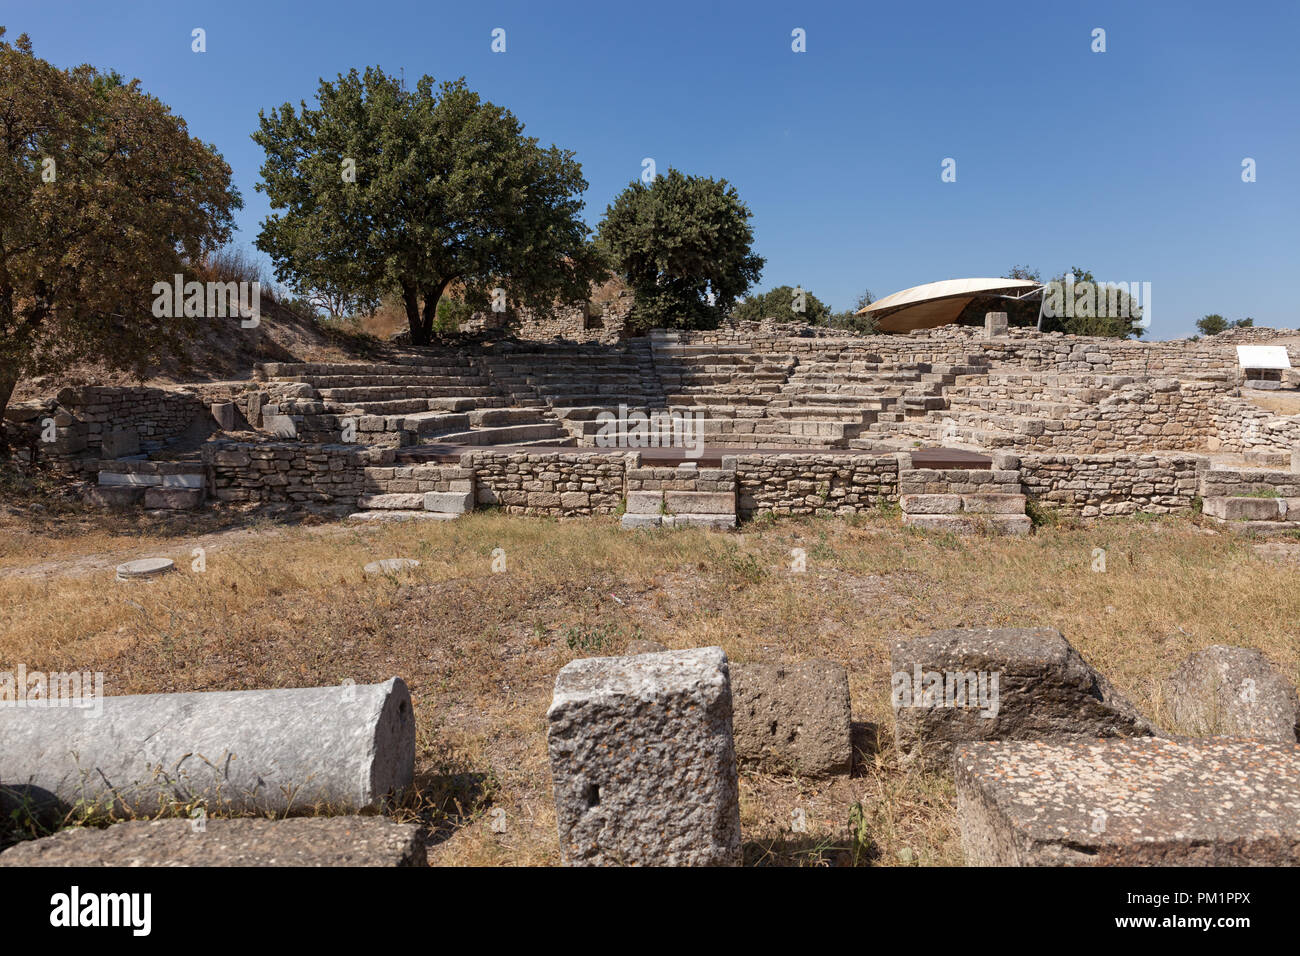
[
  {"x": 1024, "y": 272},
  {"x": 862, "y": 324},
  {"x": 103, "y": 193},
  {"x": 683, "y": 245},
  {"x": 1214, "y": 323},
  {"x": 1096, "y": 309},
  {"x": 784, "y": 304},
  {"x": 384, "y": 190},
  {"x": 1211, "y": 324}
]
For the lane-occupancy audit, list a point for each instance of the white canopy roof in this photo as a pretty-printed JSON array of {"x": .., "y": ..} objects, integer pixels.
[
  {"x": 1263, "y": 356},
  {"x": 937, "y": 303}
]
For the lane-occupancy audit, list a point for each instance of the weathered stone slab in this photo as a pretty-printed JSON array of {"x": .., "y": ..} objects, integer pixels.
[
  {"x": 1234, "y": 691},
  {"x": 1245, "y": 509},
  {"x": 700, "y": 502},
  {"x": 995, "y": 323},
  {"x": 792, "y": 717},
  {"x": 448, "y": 502},
  {"x": 713, "y": 522},
  {"x": 398, "y": 501},
  {"x": 345, "y": 747},
  {"x": 116, "y": 497},
  {"x": 993, "y": 504},
  {"x": 280, "y": 426},
  {"x": 643, "y": 762},
  {"x": 930, "y": 504},
  {"x": 396, "y": 515},
  {"x": 1000, "y": 684},
  {"x": 1141, "y": 802},
  {"x": 293, "y": 841},
  {"x": 971, "y": 524},
  {"x": 634, "y": 522},
  {"x": 122, "y": 479},
  {"x": 173, "y": 499},
  {"x": 645, "y": 502}
]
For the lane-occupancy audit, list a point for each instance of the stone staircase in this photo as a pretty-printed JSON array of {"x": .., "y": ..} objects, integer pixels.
[
  {"x": 965, "y": 500},
  {"x": 439, "y": 398}
]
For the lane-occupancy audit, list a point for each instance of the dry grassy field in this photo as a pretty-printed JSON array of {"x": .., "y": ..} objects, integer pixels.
[{"x": 289, "y": 606}]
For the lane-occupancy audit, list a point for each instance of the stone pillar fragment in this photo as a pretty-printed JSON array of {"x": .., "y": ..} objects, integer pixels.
[
  {"x": 995, "y": 323},
  {"x": 344, "y": 747},
  {"x": 643, "y": 762}
]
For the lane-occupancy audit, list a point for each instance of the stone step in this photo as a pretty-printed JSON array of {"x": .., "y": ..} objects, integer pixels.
[
  {"x": 970, "y": 524},
  {"x": 506, "y": 435},
  {"x": 394, "y": 392}
]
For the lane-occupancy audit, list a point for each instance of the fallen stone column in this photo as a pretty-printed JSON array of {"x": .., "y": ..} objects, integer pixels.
[
  {"x": 338, "y": 748},
  {"x": 643, "y": 762}
]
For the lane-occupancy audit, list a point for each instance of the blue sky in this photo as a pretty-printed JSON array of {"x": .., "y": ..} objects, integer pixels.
[{"x": 1126, "y": 162}]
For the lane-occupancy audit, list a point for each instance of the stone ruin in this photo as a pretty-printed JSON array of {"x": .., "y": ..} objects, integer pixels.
[
  {"x": 960, "y": 427},
  {"x": 1052, "y": 766}
]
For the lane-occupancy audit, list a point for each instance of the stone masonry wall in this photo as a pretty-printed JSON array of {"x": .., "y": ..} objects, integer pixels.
[
  {"x": 522, "y": 483},
  {"x": 1119, "y": 484},
  {"x": 814, "y": 484},
  {"x": 276, "y": 472}
]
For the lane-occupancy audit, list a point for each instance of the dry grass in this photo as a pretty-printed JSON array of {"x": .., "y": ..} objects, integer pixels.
[
  {"x": 1280, "y": 403},
  {"x": 480, "y": 650}
]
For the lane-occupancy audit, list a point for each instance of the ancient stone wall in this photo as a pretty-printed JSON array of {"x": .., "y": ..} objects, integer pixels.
[
  {"x": 814, "y": 484},
  {"x": 276, "y": 472},
  {"x": 522, "y": 483},
  {"x": 1118, "y": 484}
]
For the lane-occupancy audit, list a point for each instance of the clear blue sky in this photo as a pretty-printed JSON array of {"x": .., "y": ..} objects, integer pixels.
[{"x": 1126, "y": 162}]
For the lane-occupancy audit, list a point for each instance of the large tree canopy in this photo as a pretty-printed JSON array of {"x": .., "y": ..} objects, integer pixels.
[
  {"x": 102, "y": 194},
  {"x": 683, "y": 245},
  {"x": 385, "y": 190},
  {"x": 785, "y": 304}
]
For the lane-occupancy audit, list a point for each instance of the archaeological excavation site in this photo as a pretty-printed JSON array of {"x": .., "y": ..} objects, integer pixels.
[
  {"x": 741, "y": 435},
  {"x": 394, "y": 480}
]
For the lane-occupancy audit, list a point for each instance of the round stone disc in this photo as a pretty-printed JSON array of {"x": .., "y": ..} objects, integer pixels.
[
  {"x": 144, "y": 568},
  {"x": 391, "y": 565}
]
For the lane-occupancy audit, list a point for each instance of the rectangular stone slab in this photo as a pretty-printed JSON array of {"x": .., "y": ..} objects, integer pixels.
[
  {"x": 449, "y": 502},
  {"x": 700, "y": 502},
  {"x": 1137, "y": 802},
  {"x": 645, "y": 502},
  {"x": 930, "y": 504},
  {"x": 1245, "y": 509},
  {"x": 642, "y": 760},
  {"x": 294, "y": 841}
]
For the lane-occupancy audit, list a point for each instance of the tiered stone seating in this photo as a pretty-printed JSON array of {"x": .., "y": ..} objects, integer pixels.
[{"x": 441, "y": 398}]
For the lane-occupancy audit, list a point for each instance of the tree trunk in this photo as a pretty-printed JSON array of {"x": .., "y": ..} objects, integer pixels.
[
  {"x": 432, "y": 295},
  {"x": 8, "y": 381},
  {"x": 419, "y": 332}
]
